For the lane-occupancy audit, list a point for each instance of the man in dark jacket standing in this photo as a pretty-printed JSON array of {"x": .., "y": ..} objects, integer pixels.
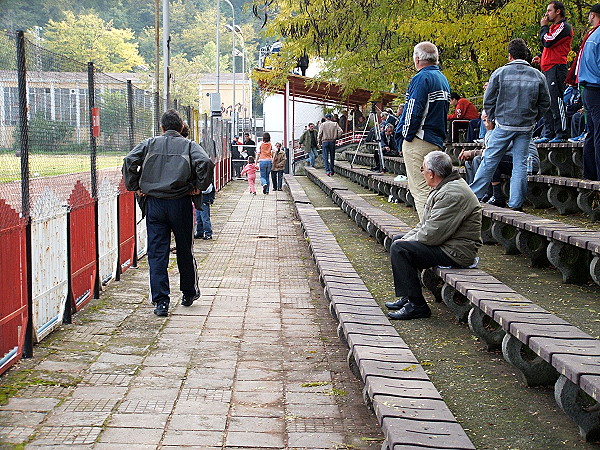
[
  {"x": 423, "y": 122},
  {"x": 168, "y": 170},
  {"x": 449, "y": 234},
  {"x": 555, "y": 36}
]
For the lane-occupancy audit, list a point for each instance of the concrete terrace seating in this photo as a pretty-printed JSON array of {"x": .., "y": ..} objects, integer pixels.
[
  {"x": 567, "y": 195},
  {"x": 500, "y": 317},
  {"x": 564, "y": 160},
  {"x": 556, "y": 187},
  {"x": 381, "y": 183},
  {"x": 573, "y": 250},
  {"x": 393, "y": 164},
  {"x": 409, "y": 408}
]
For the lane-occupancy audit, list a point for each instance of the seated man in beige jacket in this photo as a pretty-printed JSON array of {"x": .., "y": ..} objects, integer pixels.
[{"x": 448, "y": 235}]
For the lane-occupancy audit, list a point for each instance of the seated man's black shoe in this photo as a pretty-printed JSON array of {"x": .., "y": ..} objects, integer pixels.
[
  {"x": 497, "y": 202},
  {"x": 188, "y": 300},
  {"x": 398, "y": 304},
  {"x": 411, "y": 311},
  {"x": 162, "y": 309}
]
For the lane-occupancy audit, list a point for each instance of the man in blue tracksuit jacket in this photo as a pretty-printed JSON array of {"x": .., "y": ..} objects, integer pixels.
[
  {"x": 588, "y": 75},
  {"x": 422, "y": 127}
]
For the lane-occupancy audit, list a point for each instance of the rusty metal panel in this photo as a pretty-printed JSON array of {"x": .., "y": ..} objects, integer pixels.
[
  {"x": 142, "y": 234},
  {"x": 82, "y": 245},
  {"x": 49, "y": 273},
  {"x": 126, "y": 227},
  {"x": 108, "y": 236},
  {"x": 13, "y": 288}
]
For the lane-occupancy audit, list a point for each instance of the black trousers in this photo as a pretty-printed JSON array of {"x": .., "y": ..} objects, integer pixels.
[
  {"x": 408, "y": 257},
  {"x": 591, "y": 145},
  {"x": 555, "y": 119},
  {"x": 164, "y": 216},
  {"x": 277, "y": 179}
]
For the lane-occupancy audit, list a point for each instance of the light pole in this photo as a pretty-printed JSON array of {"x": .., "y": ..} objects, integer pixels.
[
  {"x": 237, "y": 30},
  {"x": 233, "y": 129},
  {"x": 217, "y": 69}
]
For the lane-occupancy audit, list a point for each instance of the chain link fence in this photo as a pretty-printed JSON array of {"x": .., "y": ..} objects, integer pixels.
[{"x": 46, "y": 137}]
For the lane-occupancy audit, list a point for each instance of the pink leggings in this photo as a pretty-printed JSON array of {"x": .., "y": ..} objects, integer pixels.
[{"x": 251, "y": 181}]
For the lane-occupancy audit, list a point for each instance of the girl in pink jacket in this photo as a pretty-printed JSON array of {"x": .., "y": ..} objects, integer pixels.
[{"x": 251, "y": 168}]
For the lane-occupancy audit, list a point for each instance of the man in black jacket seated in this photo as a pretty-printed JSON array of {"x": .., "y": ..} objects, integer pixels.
[{"x": 388, "y": 146}]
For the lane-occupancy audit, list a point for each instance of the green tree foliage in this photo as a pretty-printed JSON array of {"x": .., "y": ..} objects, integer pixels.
[
  {"x": 186, "y": 73},
  {"x": 89, "y": 38},
  {"x": 367, "y": 43},
  {"x": 45, "y": 135}
]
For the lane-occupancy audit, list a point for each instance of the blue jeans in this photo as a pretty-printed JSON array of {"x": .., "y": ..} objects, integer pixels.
[
  {"x": 312, "y": 156},
  {"x": 203, "y": 225},
  {"x": 497, "y": 146},
  {"x": 164, "y": 216},
  {"x": 328, "y": 155},
  {"x": 265, "y": 170}
]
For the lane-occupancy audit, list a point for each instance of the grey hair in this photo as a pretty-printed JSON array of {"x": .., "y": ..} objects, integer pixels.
[
  {"x": 439, "y": 163},
  {"x": 389, "y": 126},
  {"x": 426, "y": 51}
]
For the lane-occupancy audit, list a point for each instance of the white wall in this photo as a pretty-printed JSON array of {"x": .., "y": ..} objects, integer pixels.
[{"x": 303, "y": 113}]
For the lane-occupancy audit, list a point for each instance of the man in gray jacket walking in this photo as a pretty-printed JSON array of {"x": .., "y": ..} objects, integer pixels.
[
  {"x": 448, "y": 235},
  {"x": 167, "y": 170},
  {"x": 516, "y": 97}
]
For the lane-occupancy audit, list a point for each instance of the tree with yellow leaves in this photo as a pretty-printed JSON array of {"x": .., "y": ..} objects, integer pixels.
[
  {"x": 369, "y": 44},
  {"x": 87, "y": 37}
]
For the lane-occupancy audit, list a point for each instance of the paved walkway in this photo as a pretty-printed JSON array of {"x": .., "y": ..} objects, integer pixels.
[{"x": 254, "y": 363}]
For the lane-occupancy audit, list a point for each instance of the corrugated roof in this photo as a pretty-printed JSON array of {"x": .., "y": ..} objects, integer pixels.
[{"x": 308, "y": 88}]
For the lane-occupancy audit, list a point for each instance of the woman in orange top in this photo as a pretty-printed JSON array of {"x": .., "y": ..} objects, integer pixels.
[{"x": 265, "y": 162}]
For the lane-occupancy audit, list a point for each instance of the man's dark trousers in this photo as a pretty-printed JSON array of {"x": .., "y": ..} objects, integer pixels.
[
  {"x": 591, "y": 145},
  {"x": 328, "y": 155},
  {"x": 408, "y": 257},
  {"x": 164, "y": 216},
  {"x": 555, "y": 119}
]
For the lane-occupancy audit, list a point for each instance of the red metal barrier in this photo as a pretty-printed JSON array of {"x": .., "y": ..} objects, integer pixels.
[
  {"x": 82, "y": 245},
  {"x": 13, "y": 288},
  {"x": 227, "y": 169},
  {"x": 126, "y": 225},
  {"x": 222, "y": 174},
  {"x": 217, "y": 175}
]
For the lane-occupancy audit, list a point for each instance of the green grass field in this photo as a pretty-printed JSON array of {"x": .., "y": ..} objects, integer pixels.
[{"x": 49, "y": 165}]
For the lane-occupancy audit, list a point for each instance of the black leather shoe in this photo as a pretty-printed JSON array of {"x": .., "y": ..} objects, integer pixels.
[
  {"x": 265, "y": 189},
  {"x": 497, "y": 202},
  {"x": 197, "y": 236},
  {"x": 398, "y": 304},
  {"x": 410, "y": 311},
  {"x": 162, "y": 309},
  {"x": 187, "y": 300}
]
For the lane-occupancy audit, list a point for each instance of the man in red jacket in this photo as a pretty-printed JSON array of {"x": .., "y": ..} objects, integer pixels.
[
  {"x": 556, "y": 40},
  {"x": 463, "y": 110}
]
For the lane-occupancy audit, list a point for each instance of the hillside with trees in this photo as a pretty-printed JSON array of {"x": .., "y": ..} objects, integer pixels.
[{"x": 118, "y": 35}]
